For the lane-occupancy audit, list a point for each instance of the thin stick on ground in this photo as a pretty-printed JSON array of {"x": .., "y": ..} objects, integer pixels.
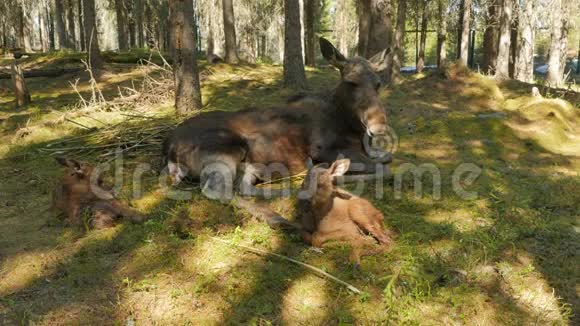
[{"x": 307, "y": 266}]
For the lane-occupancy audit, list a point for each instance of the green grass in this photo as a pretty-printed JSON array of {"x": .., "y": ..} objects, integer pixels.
[{"x": 507, "y": 257}]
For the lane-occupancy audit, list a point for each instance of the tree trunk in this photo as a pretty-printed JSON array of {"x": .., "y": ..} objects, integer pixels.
[
  {"x": 442, "y": 33},
  {"x": 381, "y": 29},
  {"x": 50, "y": 27},
  {"x": 121, "y": 24},
  {"x": 465, "y": 27},
  {"x": 72, "y": 37},
  {"x": 399, "y": 41},
  {"x": 424, "y": 18},
  {"x": 140, "y": 42},
  {"x": 293, "y": 66},
  {"x": 503, "y": 56},
  {"x": 311, "y": 13},
  {"x": 513, "y": 45},
  {"x": 564, "y": 43},
  {"x": 43, "y": 31},
  {"x": 231, "y": 55},
  {"x": 81, "y": 25},
  {"x": 490, "y": 38},
  {"x": 525, "y": 60},
  {"x": 59, "y": 25},
  {"x": 209, "y": 50},
  {"x": 20, "y": 90},
  {"x": 92, "y": 37},
  {"x": 185, "y": 72},
  {"x": 364, "y": 26}
]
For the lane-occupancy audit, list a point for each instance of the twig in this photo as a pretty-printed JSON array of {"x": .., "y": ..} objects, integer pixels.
[{"x": 310, "y": 267}]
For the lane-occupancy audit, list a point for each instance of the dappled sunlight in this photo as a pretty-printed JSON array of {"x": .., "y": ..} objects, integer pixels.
[
  {"x": 463, "y": 219},
  {"x": 306, "y": 301}
]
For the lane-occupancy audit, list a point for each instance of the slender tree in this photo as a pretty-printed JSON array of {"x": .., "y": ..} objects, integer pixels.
[
  {"x": 59, "y": 25},
  {"x": 81, "y": 24},
  {"x": 399, "y": 40},
  {"x": 491, "y": 37},
  {"x": 70, "y": 14},
  {"x": 503, "y": 56},
  {"x": 525, "y": 60},
  {"x": 424, "y": 21},
  {"x": 294, "y": 75},
  {"x": 92, "y": 37},
  {"x": 364, "y": 26},
  {"x": 442, "y": 33},
  {"x": 311, "y": 13},
  {"x": 121, "y": 24},
  {"x": 231, "y": 45},
  {"x": 465, "y": 28},
  {"x": 185, "y": 71}
]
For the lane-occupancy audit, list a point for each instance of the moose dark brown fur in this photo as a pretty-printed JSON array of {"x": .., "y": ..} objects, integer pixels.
[
  {"x": 260, "y": 144},
  {"x": 80, "y": 190},
  {"x": 330, "y": 213}
]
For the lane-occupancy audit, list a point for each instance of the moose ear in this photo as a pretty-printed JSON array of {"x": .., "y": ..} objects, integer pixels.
[
  {"x": 330, "y": 53},
  {"x": 379, "y": 60},
  {"x": 340, "y": 167},
  {"x": 68, "y": 163}
]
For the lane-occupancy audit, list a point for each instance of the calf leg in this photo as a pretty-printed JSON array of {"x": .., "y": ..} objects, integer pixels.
[{"x": 370, "y": 220}]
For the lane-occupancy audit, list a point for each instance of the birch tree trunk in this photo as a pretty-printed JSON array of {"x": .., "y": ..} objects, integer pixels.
[
  {"x": 525, "y": 60},
  {"x": 294, "y": 75},
  {"x": 503, "y": 56},
  {"x": 185, "y": 71},
  {"x": 554, "y": 77}
]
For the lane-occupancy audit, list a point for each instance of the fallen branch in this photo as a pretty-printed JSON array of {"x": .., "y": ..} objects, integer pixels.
[{"x": 310, "y": 267}]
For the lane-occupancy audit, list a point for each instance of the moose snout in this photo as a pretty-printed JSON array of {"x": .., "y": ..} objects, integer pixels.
[{"x": 377, "y": 130}]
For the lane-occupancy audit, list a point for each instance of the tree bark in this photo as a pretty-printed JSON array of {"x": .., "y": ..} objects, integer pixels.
[
  {"x": 311, "y": 13},
  {"x": 59, "y": 25},
  {"x": 490, "y": 38},
  {"x": 92, "y": 37},
  {"x": 364, "y": 26},
  {"x": 424, "y": 20},
  {"x": 503, "y": 56},
  {"x": 185, "y": 71},
  {"x": 294, "y": 75},
  {"x": 465, "y": 28},
  {"x": 399, "y": 41},
  {"x": 525, "y": 60},
  {"x": 513, "y": 44},
  {"x": 20, "y": 89},
  {"x": 231, "y": 55},
  {"x": 442, "y": 33},
  {"x": 71, "y": 24},
  {"x": 209, "y": 49},
  {"x": 381, "y": 30},
  {"x": 81, "y": 25},
  {"x": 121, "y": 24}
]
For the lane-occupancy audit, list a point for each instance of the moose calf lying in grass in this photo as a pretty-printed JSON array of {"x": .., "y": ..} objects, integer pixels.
[
  {"x": 80, "y": 191},
  {"x": 330, "y": 213}
]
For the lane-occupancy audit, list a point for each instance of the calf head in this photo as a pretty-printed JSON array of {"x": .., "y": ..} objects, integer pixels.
[
  {"x": 83, "y": 177},
  {"x": 357, "y": 95},
  {"x": 318, "y": 183}
]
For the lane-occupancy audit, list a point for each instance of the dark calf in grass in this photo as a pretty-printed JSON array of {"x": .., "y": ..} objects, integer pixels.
[
  {"x": 81, "y": 190},
  {"x": 330, "y": 213}
]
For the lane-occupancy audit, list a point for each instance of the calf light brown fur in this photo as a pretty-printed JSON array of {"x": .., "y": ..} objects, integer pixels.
[
  {"x": 74, "y": 195},
  {"x": 330, "y": 213}
]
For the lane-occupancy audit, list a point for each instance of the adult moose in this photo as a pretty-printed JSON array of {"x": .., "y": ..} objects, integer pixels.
[{"x": 256, "y": 144}]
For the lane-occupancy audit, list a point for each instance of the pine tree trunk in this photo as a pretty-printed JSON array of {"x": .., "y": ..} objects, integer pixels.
[
  {"x": 81, "y": 25},
  {"x": 364, "y": 26},
  {"x": 92, "y": 37},
  {"x": 294, "y": 75},
  {"x": 465, "y": 27},
  {"x": 564, "y": 43},
  {"x": 70, "y": 11},
  {"x": 503, "y": 56},
  {"x": 525, "y": 60},
  {"x": 185, "y": 72},
  {"x": 209, "y": 49},
  {"x": 442, "y": 33},
  {"x": 121, "y": 24},
  {"x": 231, "y": 55},
  {"x": 140, "y": 42},
  {"x": 490, "y": 38},
  {"x": 399, "y": 41},
  {"x": 381, "y": 30},
  {"x": 50, "y": 27},
  {"x": 43, "y": 31},
  {"x": 424, "y": 19},
  {"x": 311, "y": 12},
  {"x": 513, "y": 45},
  {"x": 59, "y": 25},
  {"x": 20, "y": 89}
]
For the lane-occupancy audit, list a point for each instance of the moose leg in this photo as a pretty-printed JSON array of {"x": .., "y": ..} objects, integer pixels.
[{"x": 252, "y": 174}]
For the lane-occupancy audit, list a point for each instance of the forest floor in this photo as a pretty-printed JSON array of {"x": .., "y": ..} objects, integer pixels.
[{"x": 510, "y": 256}]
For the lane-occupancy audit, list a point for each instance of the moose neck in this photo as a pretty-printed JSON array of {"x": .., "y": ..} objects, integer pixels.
[{"x": 344, "y": 105}]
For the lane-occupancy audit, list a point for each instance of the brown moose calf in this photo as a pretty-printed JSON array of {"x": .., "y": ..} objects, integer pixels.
[
  {"x": 80, "y": 191},
  {"x": 330, "y": 213}
]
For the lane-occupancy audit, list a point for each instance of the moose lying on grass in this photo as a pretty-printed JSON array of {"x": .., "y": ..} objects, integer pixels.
[
  {"x": 330, "y": 213},
  {"x": 80, "y": 191},
  {"x": 262, "y": 144}
]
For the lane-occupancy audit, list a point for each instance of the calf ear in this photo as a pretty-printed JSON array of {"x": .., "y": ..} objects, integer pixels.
[
  {"x": 379, "y": 60},
  {"x": 340, "y": 167},
  {"x": 68, "y": 163},
  {"x": 330, "y": 53}
]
